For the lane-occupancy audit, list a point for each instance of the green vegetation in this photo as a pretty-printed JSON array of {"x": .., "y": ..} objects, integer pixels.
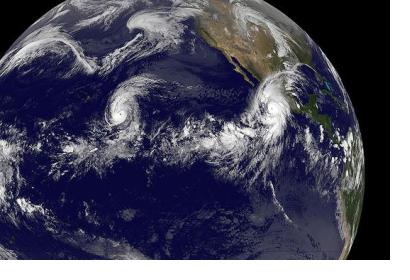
[
  {"x": 312, "y": 111},
  {"x": 353, "y": 200}
]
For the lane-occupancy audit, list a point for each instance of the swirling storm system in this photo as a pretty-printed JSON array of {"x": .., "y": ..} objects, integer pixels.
[{"x": 171, "y": 129}]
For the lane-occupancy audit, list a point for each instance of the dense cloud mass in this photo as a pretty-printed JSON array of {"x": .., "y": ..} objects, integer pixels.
[{"x": 133, "y": 130}]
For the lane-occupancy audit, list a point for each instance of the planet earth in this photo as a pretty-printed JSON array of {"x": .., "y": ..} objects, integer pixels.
[{"x": 172, "y": 129}]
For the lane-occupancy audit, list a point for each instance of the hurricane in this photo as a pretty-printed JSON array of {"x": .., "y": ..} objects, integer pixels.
[{"x": 175, "y": 129}]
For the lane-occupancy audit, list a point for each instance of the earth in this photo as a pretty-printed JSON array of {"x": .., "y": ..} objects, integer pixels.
[{"x": 171, "y": 129}]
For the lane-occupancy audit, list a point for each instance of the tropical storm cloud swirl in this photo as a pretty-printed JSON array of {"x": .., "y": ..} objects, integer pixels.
[{"x": 194, "y": 129}]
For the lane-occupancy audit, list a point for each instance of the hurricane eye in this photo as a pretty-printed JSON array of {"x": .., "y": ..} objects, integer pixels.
[
  {"x": 172, "y": 129},
  {"x": 119, "y": 117}
]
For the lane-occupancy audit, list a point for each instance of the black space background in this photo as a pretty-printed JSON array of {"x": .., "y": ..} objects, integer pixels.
[{"x": 355, "y": 37}]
